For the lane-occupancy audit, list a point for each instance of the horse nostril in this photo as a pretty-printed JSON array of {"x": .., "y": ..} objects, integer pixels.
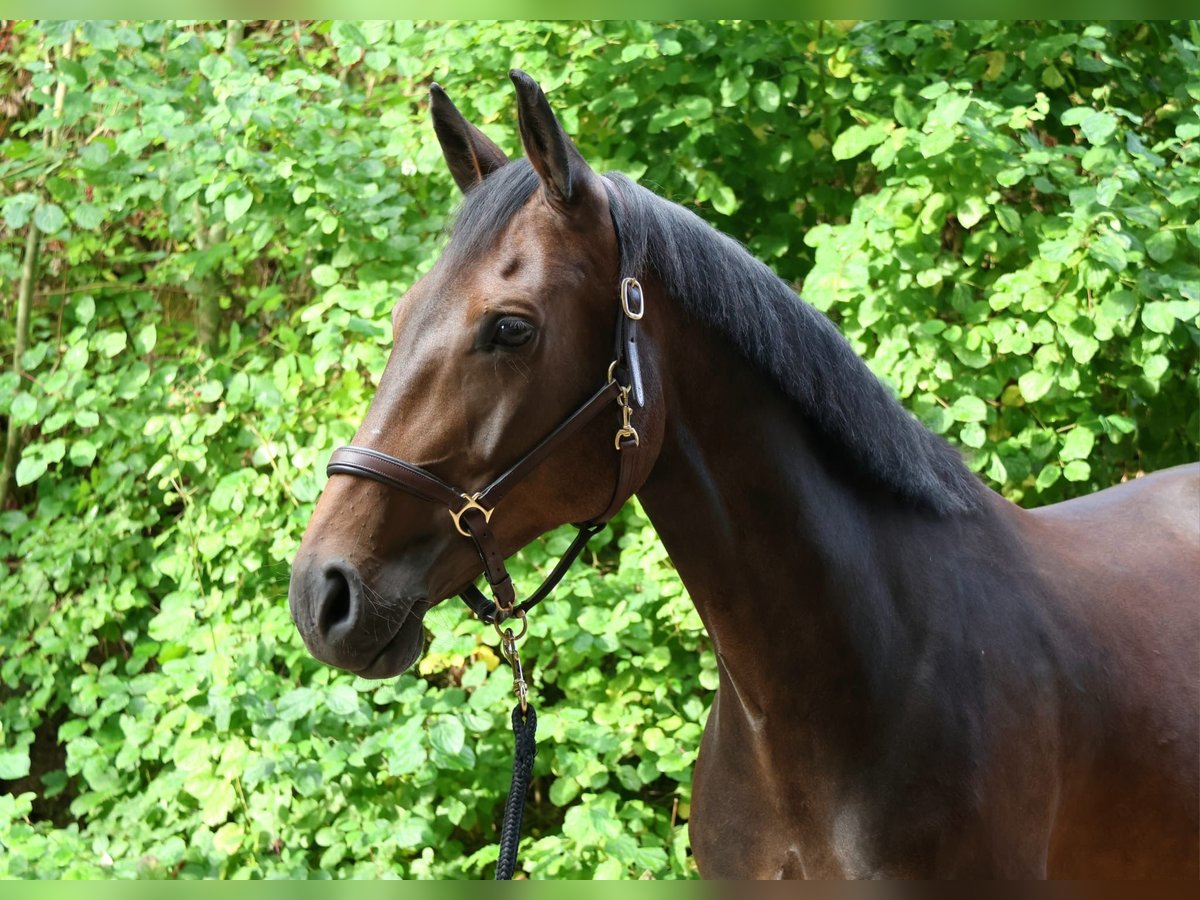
[{"x": 337, "y": 605}]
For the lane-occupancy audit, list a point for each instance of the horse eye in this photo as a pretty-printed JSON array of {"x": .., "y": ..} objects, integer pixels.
[{"x": 510, "y": 332}]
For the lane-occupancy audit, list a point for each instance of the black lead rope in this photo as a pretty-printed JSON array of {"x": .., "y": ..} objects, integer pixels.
[{"x": 524, "y": 724}]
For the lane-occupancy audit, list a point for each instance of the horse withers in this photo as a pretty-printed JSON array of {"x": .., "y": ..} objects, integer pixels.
[{"x": 917, "y": 678}]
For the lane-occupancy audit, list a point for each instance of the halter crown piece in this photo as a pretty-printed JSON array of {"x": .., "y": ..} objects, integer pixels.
[{"x": 472, "y": 512}]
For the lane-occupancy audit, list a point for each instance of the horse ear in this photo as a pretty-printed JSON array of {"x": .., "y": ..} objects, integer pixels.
[
  {"x": 555, "y": 158},
  {"x": 470, "y": 155}
]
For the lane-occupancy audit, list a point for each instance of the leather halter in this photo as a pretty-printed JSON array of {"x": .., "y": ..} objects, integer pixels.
[{"x": 472, "y": 512}]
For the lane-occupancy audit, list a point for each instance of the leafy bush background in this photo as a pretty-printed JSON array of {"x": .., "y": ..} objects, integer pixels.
[{"x": 1001, "y": 217}]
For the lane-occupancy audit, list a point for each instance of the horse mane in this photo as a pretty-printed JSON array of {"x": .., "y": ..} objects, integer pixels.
[{"x": 716, "y": 280}]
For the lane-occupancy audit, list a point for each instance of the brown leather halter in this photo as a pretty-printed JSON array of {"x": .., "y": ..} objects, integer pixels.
[{"x": 472, "y": 513}]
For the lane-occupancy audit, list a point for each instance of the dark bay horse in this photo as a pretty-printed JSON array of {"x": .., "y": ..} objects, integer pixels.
[{"x": 917, "y": 678}]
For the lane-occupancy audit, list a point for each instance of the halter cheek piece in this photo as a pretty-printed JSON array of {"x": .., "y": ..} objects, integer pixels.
[{"x": 472, "y": 512}]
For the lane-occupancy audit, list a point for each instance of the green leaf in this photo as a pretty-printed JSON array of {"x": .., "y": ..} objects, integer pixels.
[
  {"x": 563, "y": 791},
  {"x": 30, "y": 469},
  {"x": 342, "y": 700},
  {"x": 447, "y": 735},
  {"x": 968, "y": 409},
  {"x": 724, "y": 201},
  {"x": 49, "y": 218},
  {"x": 17, "y": 209},
  {"x": 1077, "y": 470},
  {"x": 948, "y": 111},
  {"x": 325, "y": 275},
  {"x": 1078, "y": 443},
  {"x": 236, "y": 205},
  {"x": 970, "y": 211},
  {"x": 83, "y": 453},
  {"x": 1097, "y": 126},
  {"x": 1155, "y": 366},
  {"x": 973, "y": 435},
  {"x": 84, "y": 309},
  {"x": 14, "y": 764},
  {"x": 1048, "y": 476},
  {"x": 210, "y": 391},
  {"x": 76, "y": 357},
  {"x": 1157, "y": 317},
  {"x": 696, "y": 109},
  {"x": 1161, "y": 246},
  {"x": 112, "y": 343},
  {"x": 767, "y": 96},
  {"x": 377, "y": 60},
  {"x": 146, "y": 338},
  {"x": 23, "y": 409},
  {"x": 88, "y": 216},
  {"x": 1008, "y": 218},
  {"x": 296, "y": 704},
  {"x": 1034, "y": 385},
  {"x": 937, "y": 142},
  {"x": 857, "y": 139},
  {"x": 228, "y": 838}
]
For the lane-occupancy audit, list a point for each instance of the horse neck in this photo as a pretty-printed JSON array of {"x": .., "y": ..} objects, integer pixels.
[{"x": 803, "y": 574}]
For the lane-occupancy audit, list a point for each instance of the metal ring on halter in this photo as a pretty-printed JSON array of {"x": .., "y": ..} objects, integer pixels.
[
  {"x": 641, "y": 299},
  {"x": 472, "y": 503},
  {"x": 520, "y": 614}
]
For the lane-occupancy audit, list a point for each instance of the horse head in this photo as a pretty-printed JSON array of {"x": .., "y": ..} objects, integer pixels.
[{"x": 506, "y": 335}]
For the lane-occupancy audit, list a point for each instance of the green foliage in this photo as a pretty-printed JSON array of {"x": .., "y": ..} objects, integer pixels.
[
  {"x": 1000, "y": 216},
  {"x": 1025, "y": 267}
]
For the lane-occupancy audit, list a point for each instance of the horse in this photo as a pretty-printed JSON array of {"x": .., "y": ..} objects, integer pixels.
[{"x": 917, "y": 678}]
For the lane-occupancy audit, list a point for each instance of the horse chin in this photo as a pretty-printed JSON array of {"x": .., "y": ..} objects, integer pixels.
[{"x": 400, "y": 652}]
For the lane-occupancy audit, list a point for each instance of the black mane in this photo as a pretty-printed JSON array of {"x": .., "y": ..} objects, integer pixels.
[{"x": 717, "y": 281}]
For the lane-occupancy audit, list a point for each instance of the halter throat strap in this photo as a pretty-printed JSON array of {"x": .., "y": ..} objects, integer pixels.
[{"x": 472, "y": 512}]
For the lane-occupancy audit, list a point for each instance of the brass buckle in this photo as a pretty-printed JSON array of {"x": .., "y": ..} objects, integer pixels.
[
  {"x": 641, "y": 310},
  {"x": 472, "y": 503}
]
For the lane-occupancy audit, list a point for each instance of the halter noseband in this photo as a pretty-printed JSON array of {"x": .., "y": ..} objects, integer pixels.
[{"x": 472, "y": 512}]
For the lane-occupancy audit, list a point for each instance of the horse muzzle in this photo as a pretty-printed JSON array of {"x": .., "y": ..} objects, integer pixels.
[{"x": 374, "y": 632}]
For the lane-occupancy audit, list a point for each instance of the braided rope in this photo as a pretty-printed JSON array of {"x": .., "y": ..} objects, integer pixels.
[{"x": 524, "y": 730}]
